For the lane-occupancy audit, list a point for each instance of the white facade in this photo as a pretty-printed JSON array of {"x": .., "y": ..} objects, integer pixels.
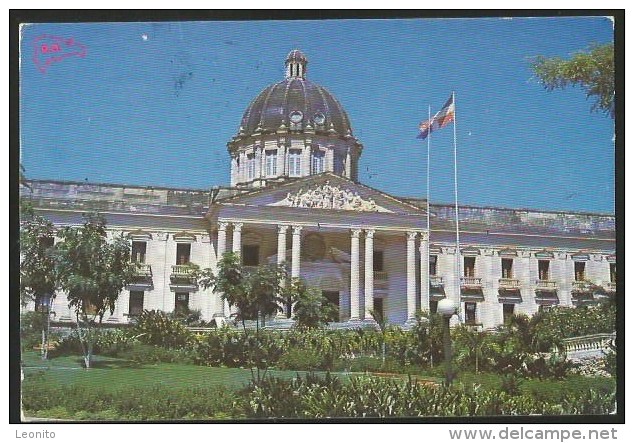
[{"x": 295, "y": 198}]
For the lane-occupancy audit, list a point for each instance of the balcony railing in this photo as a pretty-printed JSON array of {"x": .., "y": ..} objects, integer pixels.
[
  {"x": 182, "y": 274},
  {"x": 610, "y": 286},
  {"x": 546, "y": 285},
  {"x": 471, "y": 282},
  {"x": 509, "y": 283},
  {"x": 582, "y": 286},
  {"x": 436, "y": 281},
  {"x": 143, "y": 270},
  {"x": 380, "y": 275}
]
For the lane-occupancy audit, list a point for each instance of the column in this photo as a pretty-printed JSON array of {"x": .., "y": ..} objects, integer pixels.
[
  {"x": 295, "y": 255},
  {"x": 354, "y": 274},
  {"x": 222, "y": 309},
  {"x": 369, "y": 274},
  {"x": 281, "y": 258},
  {"x": 424, "y": 270},
  {"x": 411, "y": 277},
  {"x": 236, "y": 247},
  {"x": 348, "y": 165}
]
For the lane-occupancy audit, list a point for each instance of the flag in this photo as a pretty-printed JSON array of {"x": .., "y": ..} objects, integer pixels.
[{"x": 441, "y": 119}]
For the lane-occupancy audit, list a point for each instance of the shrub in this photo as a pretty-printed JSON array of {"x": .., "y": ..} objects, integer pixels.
[
  {"x": 301, "y": 360},
  {"x": 157, "y": 328}
]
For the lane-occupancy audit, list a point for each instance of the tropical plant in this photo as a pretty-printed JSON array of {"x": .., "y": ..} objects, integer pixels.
[
  {"x": 160, "y": 329},
  {"x": 311, "y": 309},
  {"x": 256, "y": 294},
  {"x": 93, "y": 271}
]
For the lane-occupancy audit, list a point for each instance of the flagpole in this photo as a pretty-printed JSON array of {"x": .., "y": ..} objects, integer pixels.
[
  {"x": 428, "y": 208},
  {"x": 455, "y": 177}
]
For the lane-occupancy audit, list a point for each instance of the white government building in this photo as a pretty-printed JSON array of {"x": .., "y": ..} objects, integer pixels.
[{"x": 295, "y": 198}]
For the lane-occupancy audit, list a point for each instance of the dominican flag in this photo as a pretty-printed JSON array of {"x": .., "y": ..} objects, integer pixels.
[{"x": 441, "y": 119}]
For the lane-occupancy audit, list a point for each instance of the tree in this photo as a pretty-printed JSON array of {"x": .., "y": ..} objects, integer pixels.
[
  {"x": 593, "y": 70},
  {"x": 92, "y": 271},
  {"x": 255, "y": 293},
  {"x": 38, "y": 273},
  {"x": 312, "y": 310}
]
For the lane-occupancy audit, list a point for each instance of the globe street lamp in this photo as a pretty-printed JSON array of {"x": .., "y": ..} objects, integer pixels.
[{"x": 447, "y": 309}]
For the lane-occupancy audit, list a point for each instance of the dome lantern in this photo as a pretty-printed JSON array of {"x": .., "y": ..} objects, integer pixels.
[{"x": 296, "y": 63}]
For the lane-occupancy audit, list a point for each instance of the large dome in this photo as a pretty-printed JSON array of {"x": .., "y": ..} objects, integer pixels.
[{"x": 295, "y": 102}]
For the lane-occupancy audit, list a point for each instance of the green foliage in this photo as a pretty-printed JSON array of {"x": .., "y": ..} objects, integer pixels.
[
  {"x": 301, "y": 360},
  {"x": 312, "y": 397},
  {"x": 255, "y": 293},
  {"x": 551, "y": 326},
  {"x": 312, "y": 310},
  {"x": 38, "y": 272},
  {"x": 511, "y": 384},
  {"x": 592, "y": 70},
  {"x": 133, "y": 403},
  {"x": 159, "y": 329},
  {"x": 93, "y": 271}
]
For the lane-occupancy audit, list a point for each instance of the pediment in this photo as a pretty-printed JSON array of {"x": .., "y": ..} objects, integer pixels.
[{"x": 324, "y": 192}]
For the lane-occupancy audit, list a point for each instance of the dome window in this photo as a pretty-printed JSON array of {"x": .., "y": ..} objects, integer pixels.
[
  {"x": 296, "y": 117},
  {"x": 319, "y": 118}
]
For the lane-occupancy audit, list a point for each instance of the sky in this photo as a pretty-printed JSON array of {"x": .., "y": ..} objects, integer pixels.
[{"x": 154, "y": 104}]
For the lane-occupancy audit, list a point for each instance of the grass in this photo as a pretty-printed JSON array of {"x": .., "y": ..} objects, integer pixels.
[{"x": 115, "y": 374}]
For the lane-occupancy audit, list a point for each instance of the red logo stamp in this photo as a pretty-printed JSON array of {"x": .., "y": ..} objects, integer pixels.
[{"x": 48, "y": 49}]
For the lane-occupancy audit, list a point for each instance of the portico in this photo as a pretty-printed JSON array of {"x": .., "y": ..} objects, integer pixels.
[{"x": 333, "y": 225}]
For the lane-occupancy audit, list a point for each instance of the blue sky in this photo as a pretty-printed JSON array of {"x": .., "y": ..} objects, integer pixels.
[{"x": 156, "y": 103}]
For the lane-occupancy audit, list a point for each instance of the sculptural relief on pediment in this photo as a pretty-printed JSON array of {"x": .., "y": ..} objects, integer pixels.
[{"x": 327, "y": 196}]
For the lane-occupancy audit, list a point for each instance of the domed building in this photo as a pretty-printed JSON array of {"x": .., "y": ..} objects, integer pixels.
[
  {"x": 293, "y": 128},
  {"x": 295, "y": 198}
]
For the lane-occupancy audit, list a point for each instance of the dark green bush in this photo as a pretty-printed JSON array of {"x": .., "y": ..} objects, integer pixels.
[
  {"x": 301, "y": 360},
  {"x": 157, "y": 328}
]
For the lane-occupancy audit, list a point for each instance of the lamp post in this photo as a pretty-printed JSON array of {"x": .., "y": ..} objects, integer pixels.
[{"x": 447, "y": 309}]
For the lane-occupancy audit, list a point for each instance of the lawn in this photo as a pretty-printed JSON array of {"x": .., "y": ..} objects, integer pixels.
[{"x": 115, "y": 374}]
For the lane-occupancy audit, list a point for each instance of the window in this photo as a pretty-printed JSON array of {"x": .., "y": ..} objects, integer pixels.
[
  {"x": 543, "y": 269},
  {"x": 138, "y": 251},
  {"x": 318, "y": 162},
  {"x": 181, "y": 302},
  {"x": 135, "y": 306},
  {"x": 580, "y": 271},
  {"x": 433, "y": 265},
  {"x": 250, "y": 255},
  {"x": 507, "y": 311},
  {"x": 294, "y": 162},
  {"x": 333, "y": 299},
  {"x": 507, "y": 268},
  {"x": 271, "y": 163},
  {"x": 340, "y": 163},
  {"x": 612, "y": 272},
  {"x": 183, "y": 251},
  {"x": 250, "y": 166},
  {"x": 470, "y": 313},
  {"x": 433, "y": 306},
  {"x": 469, "y": 266},
  {"x": 377, "y": 261}
]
